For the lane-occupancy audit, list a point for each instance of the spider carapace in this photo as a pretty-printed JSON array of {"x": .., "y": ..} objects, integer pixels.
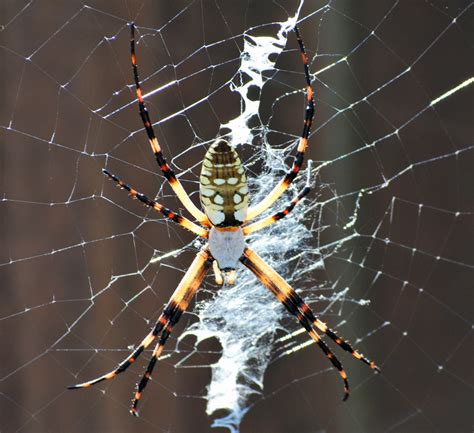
[{"x": 225, "y": 223}]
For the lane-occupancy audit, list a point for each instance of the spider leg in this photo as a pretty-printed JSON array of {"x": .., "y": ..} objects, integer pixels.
[
  {"x": 182, "y": 221},
  {"x": 156, "y": 354},
  {"x": 187, "y": 287},
  {"x": 272, "y": 280},
  {"x": 343, "y": 344},
  {"x": 177, "y": 304},
  {"x": 165, "y": 168},
  {"x": 265, "y": 222},
  {"x": 217, "y": 274},
  {"x": 283, "y": 185},
  {"x": 296, "y": 306}
]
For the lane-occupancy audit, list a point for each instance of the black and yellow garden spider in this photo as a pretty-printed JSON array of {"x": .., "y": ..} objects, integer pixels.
[{"x": 225, "y": 223}]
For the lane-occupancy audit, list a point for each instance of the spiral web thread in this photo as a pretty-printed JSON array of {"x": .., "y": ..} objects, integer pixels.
[{"x": 355, "y": 228}]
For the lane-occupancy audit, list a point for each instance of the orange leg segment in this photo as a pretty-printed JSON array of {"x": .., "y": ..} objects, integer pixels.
[
  {"x": 283, "y": 185},
  {"x": 182, "y": 221},
  {"x": 178, "y": 303},
  {"x": 298, "y": 308},
  {"x": 155, "y": 146}
]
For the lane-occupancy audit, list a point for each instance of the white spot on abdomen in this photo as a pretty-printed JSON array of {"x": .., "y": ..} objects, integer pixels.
[
  {"x": 223, "y": 186},
  {"x": 207, "y": 192},
  {"x": 216, "y": 216}
]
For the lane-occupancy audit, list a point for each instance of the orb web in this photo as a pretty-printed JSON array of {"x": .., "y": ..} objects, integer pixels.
[{"x": 380, "y": 249}]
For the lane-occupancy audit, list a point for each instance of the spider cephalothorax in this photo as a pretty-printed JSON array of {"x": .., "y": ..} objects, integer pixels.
[{"x": 225, "y": 223}]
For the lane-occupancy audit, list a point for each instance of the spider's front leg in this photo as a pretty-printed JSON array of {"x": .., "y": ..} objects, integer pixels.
[
  {"x": 187, "y": 289},
  {"x": 178, "y": 303},
  {"x": 298, "y": 308}
]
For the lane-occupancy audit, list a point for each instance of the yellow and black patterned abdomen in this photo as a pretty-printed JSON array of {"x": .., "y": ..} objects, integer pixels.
[{"x": 223, "y": 186}]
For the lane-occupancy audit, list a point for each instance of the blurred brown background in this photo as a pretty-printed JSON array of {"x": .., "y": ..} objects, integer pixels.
[{"x": 66, "y": 232}]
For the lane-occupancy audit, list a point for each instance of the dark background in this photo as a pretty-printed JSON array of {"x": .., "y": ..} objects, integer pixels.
[{"x": 66, "y": 232}]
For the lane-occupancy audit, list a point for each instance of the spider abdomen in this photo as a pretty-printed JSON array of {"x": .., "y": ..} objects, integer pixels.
[{"x": 223, "y": 186}]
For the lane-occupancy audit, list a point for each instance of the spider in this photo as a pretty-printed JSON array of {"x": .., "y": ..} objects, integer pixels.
[{"x": 225, "y": 223}]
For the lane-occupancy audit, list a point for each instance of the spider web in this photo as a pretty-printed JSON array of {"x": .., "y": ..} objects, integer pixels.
[{"x": 381, "y": 248}]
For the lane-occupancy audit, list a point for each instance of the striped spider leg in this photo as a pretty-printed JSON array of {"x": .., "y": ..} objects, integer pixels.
[
  {"x": 298, "y": 308},
  {"x": 155, "y": 146},
  {"x": 177, "y": 304},
  {"x": 173, "y": 216},
  {"x": 283, "y": 185},
  {"x": 224, "y": 197},
  {"x": 265, "y": 222}
]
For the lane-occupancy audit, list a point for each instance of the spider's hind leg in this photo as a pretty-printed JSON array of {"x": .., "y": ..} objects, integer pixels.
[
  {"x": 155, "y": 146},
  {"x": 290, "y": 176}
]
